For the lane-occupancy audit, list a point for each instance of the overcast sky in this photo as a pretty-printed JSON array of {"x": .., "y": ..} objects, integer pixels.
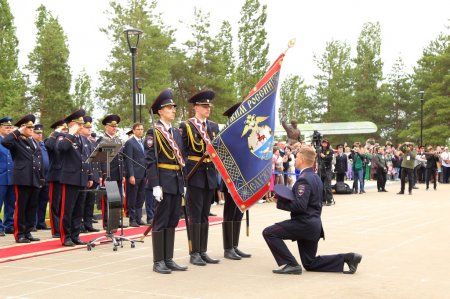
[{"x": 407, "y": 27}]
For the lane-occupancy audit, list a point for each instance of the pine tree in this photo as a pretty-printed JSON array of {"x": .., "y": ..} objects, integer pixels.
[
  {"x": 48, "y": 65},
  {"x": 295, "y": 103},
  {"x": 82, "y": 96},
  {"x": 12, "y": 83},
  {"x": 253, "y": 46}
]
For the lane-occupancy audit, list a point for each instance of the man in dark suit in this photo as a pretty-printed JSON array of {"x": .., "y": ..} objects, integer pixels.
[
  {"x": 44, "y": 192},
  {"x": 164, "y": 160},
  {"x": 340, "y": 168},
  {"x": 76, "y": 175},
  {"x": 135, "y": 175},
  {"x": 54, "y": 175},
  {"x": 232, "y": 216},
  {"x": 197, "y": 132},
  {"x": 304, "y": 202},
  {"x": 111, "y": 123},
  {"x": 28, "y": 176},
  {"x": 7, "y": 196}
]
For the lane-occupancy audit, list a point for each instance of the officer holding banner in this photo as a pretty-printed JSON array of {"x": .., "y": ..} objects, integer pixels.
[
  {"x": 197, "y": 132},
  {"x": 232, "y": 216},
  {"x": 164, "y": 160}
]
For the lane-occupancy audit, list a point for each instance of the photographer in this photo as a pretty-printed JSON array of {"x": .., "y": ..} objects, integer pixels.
[{"x": 324, "y": 159}]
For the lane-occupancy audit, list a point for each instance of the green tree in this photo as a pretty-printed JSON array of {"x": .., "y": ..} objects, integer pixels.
[
  {"x": 48, "y": 65},
  {"x": 432, "y": 76},
  {"x": 368, "y": 75},
  {"x": 333, "y": 92},
  {"x": 154, "y": 58},
  {"x": 253, "y": 46},
  {"x": 83, "y": 93},
  {"x": 12, "y": 83},
  {"x": 400, "y": 103},
  {"x": 295, "y": 103}
]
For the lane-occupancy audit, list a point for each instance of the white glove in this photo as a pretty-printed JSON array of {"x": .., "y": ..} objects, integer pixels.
[
  {"x": 185, "y": 190},
  {"x": 157, "y": 193}
]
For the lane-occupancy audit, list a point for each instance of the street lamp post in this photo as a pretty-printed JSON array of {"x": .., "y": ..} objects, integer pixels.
[
  {"x": 421, "y": 116},
  {"x": 140, "y": 85},
  {"x": 133, "y": 35}
]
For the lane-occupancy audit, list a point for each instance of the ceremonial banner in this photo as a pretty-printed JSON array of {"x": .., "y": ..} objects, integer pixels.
[{"x": 242, "y": 151}]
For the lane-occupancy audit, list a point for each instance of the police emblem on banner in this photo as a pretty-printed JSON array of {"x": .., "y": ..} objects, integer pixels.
[{"x": 260, "y": 139}]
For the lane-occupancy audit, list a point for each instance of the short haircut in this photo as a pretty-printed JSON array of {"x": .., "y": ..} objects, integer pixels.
[
  {"x": 308, "y": 153},
  {"x": 135, "y": 125}
]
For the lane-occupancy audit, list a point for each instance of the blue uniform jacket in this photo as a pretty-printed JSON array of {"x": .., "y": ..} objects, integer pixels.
[
  {"x": 74, "y": 170},
  {"x": 171, "y": 181},
  {"x": 305, "y": 222},
  {"x": 135, "y": 151},
  {"x": 6, "y": 165},
  {"x": 28, "y": 165}
]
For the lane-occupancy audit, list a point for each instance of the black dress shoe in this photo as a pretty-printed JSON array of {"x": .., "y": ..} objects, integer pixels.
[
  {"x": 83, "y": 230},
  {"x": 414, "y": 187},
  {"x": 92, "y": 230},
  {"x": 2, "y": 233},
  {"x": 22, "y": 240},
  {"x": 288, "y": 269},
  {"x": 9, "y": 231},
  {"x": 211, "y": 214},
  {"x": 134, "y": 224},
  {"x": 56, "y": 236},
  {"x": 160, "y": 267},
  {"x": 174, "y": 266},
  {"x": 231, "y": 254},
  {"x": 149, "y": 222},
  {"x": 208, "y": 259},
  {"x": 401, "y": 192},
  {"x": 352, "y": 260},
  {"x": 140, "y": 222},
  {"x": 241, "y": 253},
  {"x": 94, "y": 221},
  {"x": 78, "y": 242},
  {"x": 33, "y": 229},
  {"x": 42, "y": 227},
  {"x": 384, "y": 190},
  {"x": 69, "y": 243},
  {"x": 32, "y": 239},
  {"x": 196, "y": 259}
]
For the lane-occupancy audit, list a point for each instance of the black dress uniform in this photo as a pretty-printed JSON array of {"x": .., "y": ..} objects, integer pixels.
[
  {"x": 54, "y": 176},
  {"x": 305, "y": 226},
  {"x": 75, "y": 175},
  {"x": 44, "y": 192},
  {"x": 165, "y": 171},
  {"x": 116, "y": 165},
  {"x": 89, "y": 197},
  {"x": 232, "y": 216},
  {"x": 325, "y": 170},
  {"x": 28, "y": 178},
  {"x": 341, "y": 165},
  {"x": 203, "y": 183},
  {"x": 134, "y": 149}
]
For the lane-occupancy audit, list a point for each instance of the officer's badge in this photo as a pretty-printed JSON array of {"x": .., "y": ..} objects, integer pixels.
[
  {"x": 149, "y": 141},
  {"x": 60, "y": 137},
  {"x": 300, "y": 190},
  {"x": 260, "y": 140}
]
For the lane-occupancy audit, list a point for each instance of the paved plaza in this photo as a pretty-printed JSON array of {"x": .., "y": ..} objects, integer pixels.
[{"x": 404, "y": 241}]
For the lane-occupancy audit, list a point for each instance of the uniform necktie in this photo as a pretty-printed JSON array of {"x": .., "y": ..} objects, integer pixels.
[
  {"x": 141, "y": 144},
  {"x": 170, "y": 131}
]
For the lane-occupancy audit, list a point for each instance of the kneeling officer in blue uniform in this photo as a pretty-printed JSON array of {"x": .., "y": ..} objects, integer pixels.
[{"x": 304, "y": 202}]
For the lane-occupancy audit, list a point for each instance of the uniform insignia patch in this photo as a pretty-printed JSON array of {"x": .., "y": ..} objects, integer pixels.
[
  {"x": 300, "y": 190},
  {"x": 149, "y": 141},
  {"x": 60, "y": 137}
]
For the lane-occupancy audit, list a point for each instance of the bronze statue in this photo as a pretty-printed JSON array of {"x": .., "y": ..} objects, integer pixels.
[{"x": 293, "y": 133}]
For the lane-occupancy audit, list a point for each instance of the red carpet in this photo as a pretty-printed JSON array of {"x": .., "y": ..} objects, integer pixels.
[{"x": 21, "y": 251}]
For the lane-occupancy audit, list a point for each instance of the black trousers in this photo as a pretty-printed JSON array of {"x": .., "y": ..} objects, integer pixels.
[
  {"x": 135, "y": 195},
  {"x": 430, "y": 173},
  {"x": 231, "y": 211},
  {"x": 407, "y": 172},
  {"x": 55, "y": 206},
  {"x": 381, "y": 179},
  {"x": 25, "y": 211},
  {"x": 199, "y": 203},
  {"x": 340, "y": 177},
  {"x": 88, "y": 207},
  {"x": 275, "y": 236},
  {"x": 167, "y": 212},
  {"x": 72, "y": 202},
  {"x": 325, "y": 176},
  {"x": 42, "y": 207}
]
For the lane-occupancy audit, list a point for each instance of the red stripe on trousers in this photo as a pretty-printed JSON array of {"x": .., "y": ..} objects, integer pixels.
[
  {"x": 50, "y": 199},
  {"x": 61, "y": 217},
  {"x": 16, "y": 214}
]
